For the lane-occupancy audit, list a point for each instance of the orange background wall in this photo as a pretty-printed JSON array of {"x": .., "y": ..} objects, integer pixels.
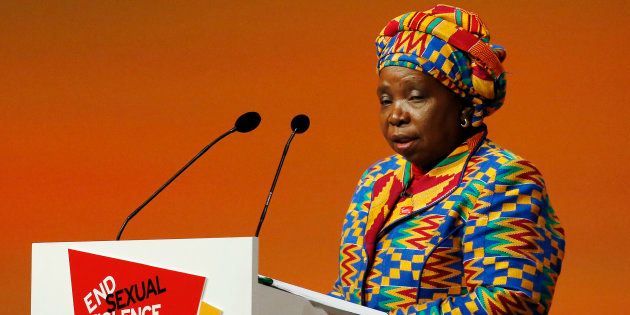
[{"x": 102, "y": 101}]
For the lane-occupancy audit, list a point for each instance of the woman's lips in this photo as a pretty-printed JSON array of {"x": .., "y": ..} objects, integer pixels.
[
  {"x": 402, "y": 143},
  {"x": 403, "y": 146}
]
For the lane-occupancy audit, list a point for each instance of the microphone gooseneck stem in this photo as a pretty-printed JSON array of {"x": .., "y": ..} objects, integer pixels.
[
  {"x": 275, "y": 180},
  {"x": 159, "y": 190}
]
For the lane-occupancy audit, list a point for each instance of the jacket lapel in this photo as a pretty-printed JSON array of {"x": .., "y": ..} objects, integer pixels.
[{"x": 385, "y": 194}]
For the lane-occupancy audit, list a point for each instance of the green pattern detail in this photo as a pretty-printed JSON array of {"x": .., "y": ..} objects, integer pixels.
[
  {"x": 551, "y": 220},
  {"x": 401, "y": 25},
  {"x": 433, "y": 24},
  {"x": 469, "y": 194},
  {"x": 505, "y": 175},
  {"x": 453, "y": 159},
  {"x": 483, "y": 291},
  {"x": 494, "y": 240},
  {"x": 458, "y": 17},
  {"x": 547, "y": 285},
  {"x": 388, "y": 299}
]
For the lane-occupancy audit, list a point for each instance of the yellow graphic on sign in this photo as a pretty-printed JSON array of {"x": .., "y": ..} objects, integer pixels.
[{"x": 207, "y": 309}]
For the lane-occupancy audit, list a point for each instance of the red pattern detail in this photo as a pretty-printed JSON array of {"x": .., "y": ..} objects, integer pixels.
[
  {"x": 410, "y": 294},
  {"x": 463, "y": 40},
  {"x": 366, "y": 204},
  {"x": 474, "y": 24},
  {"x": 379, "y": 221},
  {"x": 412, "y": 39},
  {"x": 486, "y": 57},
  {"x": 473, "y": 141},
  {"x": 436, "y": 263},
  {"x": 470, "y": 274},
  {"x": 391, "y": 29},
  {"x": 559, "y": 229},
  {"x": 346, "y": 264},
  {"x": 426, "y": 182},
  {"x": 442, "y": 9},
  {"x": 472, "y": 166},
  {"x": 380, "y": 184},
  {"x": 532, "y": 175},
  {"x": 416, "y": 20},
  {"x": 425, "y": 228},
  {"x": 508, "y": 302}
]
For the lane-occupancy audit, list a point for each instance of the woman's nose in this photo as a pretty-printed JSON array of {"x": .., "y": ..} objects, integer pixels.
[{"x": 399, "y": 115}]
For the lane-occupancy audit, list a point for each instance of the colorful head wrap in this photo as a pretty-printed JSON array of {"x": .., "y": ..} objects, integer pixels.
[{"x": 452, "y": 45}]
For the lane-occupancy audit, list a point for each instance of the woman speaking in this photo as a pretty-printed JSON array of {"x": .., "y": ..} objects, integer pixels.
[{"x": 452, "y": 223}]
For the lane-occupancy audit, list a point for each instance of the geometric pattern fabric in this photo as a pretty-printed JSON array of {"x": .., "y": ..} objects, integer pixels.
[{"x": 475, "y": 235}]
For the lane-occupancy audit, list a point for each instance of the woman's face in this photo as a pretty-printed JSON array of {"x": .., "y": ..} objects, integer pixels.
[{"x": 420, "y": 118}]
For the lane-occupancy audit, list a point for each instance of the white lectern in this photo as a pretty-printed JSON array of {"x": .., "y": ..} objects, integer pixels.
[{"x": 225, "y": 270}]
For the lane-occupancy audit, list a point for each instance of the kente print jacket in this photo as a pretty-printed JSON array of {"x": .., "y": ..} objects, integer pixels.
[{"x": 475, "y": 235}]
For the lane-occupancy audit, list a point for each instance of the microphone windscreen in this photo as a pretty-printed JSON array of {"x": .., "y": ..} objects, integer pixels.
[
  {"x": 300, "y": 123},
  {"x": 247, "y": 122}
]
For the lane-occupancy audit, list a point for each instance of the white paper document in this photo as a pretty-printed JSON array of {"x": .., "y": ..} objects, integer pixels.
[{"x": 330, "y": 304}]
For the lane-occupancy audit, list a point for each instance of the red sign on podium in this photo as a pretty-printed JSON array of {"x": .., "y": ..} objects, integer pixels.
[{"x": 107, "y": 286}]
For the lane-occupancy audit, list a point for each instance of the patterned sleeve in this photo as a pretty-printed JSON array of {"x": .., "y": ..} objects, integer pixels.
[
  {"x": 336, "y": 291},
  {"x": 513, "y": 247},
  {"x": 362, "y": 194}
]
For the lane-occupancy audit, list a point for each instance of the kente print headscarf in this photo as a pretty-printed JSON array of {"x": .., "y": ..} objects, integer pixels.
[{"x": 452, "y": 45}]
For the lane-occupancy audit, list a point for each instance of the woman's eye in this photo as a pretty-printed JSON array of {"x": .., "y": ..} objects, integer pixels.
[{"x": 416, "y": 98}]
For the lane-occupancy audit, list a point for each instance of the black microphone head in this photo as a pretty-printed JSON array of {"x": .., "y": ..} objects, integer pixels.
[
  {"x": 300, "y": 123},
  {"x": 247, "y": 122}
]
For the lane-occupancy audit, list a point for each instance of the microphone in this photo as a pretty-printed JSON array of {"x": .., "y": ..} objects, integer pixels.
[
  {"x": 299, "y": 124},
  {"x": 245, "y": 123}
]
